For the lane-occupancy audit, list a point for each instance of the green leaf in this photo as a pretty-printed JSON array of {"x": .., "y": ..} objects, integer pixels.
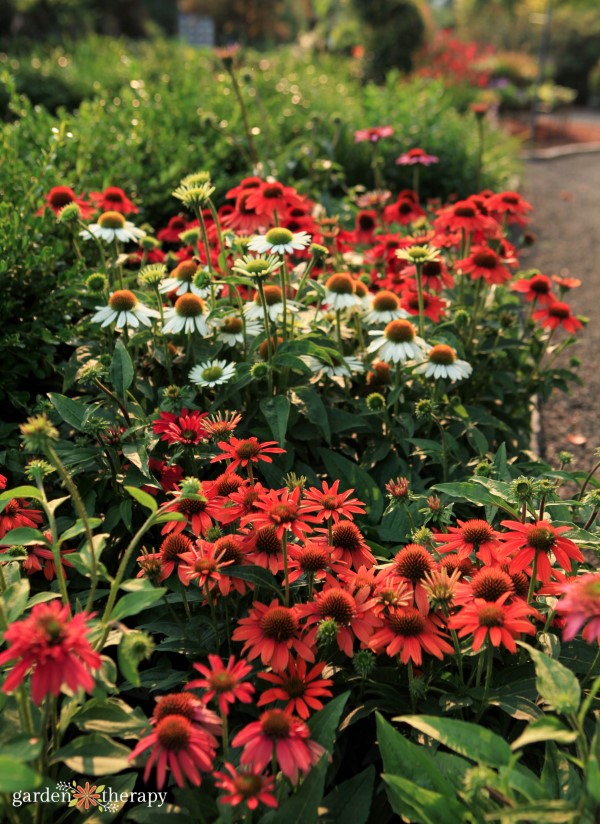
[
  {"x": 402, "y": 757},
  {"x": 350, "y": 801},
  {"x": 257, "y": 575},
  {"x": 41, "y": 598},
  {"x": 423, "y": 806},
  {"x": 303, "y": 805},
  {"x": 277, "y": 412},
  {"x": 476, "y": 494},
  {"x": 22, "y": 748},
  {"x": 78, "y": 528},
  {"x": 470, "y": 740},
  {"x": 550, "y": 812},
  {"x": 110, "y": 716},
  {"x": 143, "y": 498},
  {"x": 134, "y": 647},
  {"x": 72, "y": 412},
  {"x": 15, "y": 599},
  {"x": 547, "y": 728},
  {"x": 93, "y": 754},
  {"x": 556, "y": 684},
  {"x": 22, "y": 492},
  {"x": 136, "y": 602},
  {"x": 15, "y": 776},
  {"x": 24, "y": 535},
  {"x": 314, "y": 409},
  {"x": 592, "y": 772},
  {"x": 121, "y": 369},
  {"x": 353, "y": 476},
  {"x": 323, "y": 725}
]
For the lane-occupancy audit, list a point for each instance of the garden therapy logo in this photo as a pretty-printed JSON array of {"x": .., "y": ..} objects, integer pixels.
[{"x": 85, "y": 796}]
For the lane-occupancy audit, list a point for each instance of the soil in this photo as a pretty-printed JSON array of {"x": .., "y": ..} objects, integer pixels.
[
  {"x": 554, "y": 130},
  {"x": 565, "y": 193}
]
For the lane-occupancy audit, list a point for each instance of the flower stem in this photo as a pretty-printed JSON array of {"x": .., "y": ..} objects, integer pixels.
[
  {"x": 55, "y": 548},
  {"x": 419, "y": 272},
  {"x": 285, "y": 569},
  {"x": 533, "y": 577}
]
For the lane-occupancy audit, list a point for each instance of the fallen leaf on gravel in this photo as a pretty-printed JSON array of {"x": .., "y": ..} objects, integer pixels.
[{"x": 577, "y": 440}]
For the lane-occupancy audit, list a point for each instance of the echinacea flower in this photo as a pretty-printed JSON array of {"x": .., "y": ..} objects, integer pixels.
[
  {"x": 473, "y": 536},
  {"x": 222, "y": 424},
  {"x": 495, "y": 621},
  {"x": 536, "y": 288},
  {"x": 385, "y": 307},
  {"x": 580, "y": 607},
  {"x": 188, "y": 315},
  {"x": 124, "y": 309},
  {"x": 246, "y": 451},
  {"x": 348, "y": 538},
  {"x": 18, "y": 512},
  {"x": 201, "y": 566},
  {"x": 412, "y": 563},
  {"x": 230, "y": 329},
  {"x": 488, "y": 584},
  {"x": 279, "y": 241},
  {"x": 328, "y": 504},
  {"x": 484, "y": 262},
  {"x": 247, "y": 786},
  {"x": 212, "y": 373},
  {"x": 112, "y": 226},
  {"x": 187, "y": 427},
  {"x": 198, "y": 509},
  {"x": 557, "y": 314},
  {"x": 53, "y": 647},
  {"x": 464, "y": 216},
  {"x": 274, "y": 301},
  {"x": 534, "y": 542},
  {"x": 373, "y": 134},
  {"x": 407, "y": 632},
  {"x": 282, "y": 510},
  {"x": 113, "y": 199},
  {"x": 340, "y": 291},
  {"x": 192, "y": 708},
  {"x": 60, "y": 196},
  {"x": 442, "y": 362},
  {"x": 225, "y": 683},
  {"x": 415, "y": 157},
  {"x": 433, "y": 307},
  {"x": 509, "y": 205},
  {"x": 340, "y": 367},
  {"x": 352, "y": 615},
  {"x": 398, "y": 342},
  {"x": 273, "y": 633},
  {"x": 279, "y": 736},
  {"x": 181, "y": 280},
  {"x": 301, "y": 689},
  {"x": 271, "y": 197},
  {"x": 249, "y": 266}
]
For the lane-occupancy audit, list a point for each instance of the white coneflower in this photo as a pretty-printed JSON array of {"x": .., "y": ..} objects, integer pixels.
[
  {"x": 124, "y": 309},
  {"x": 442, "y": 363},
  {"x": 418, "y": 254},
  {"x": 231, "y": 329},
  {"x": 188, "y": 315},
  {"x": 181, "y": 280},
  {"x": 256, "y": 267},
  {"x": 111, "y": 226},
  {"x": 212, "y": 373},
  {"x": 340, "y": 291},
  {"x": 279, "y": 241},
  {"x": 363, "y": 294},
  {"x": 274, "y": 301},
  {"x": 343, "y": 367},
  {"x": 398, "y": 342},
  {"x": 385, "y": 307}
]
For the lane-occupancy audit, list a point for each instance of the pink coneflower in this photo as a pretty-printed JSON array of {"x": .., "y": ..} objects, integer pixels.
[
  {"x": 185, "y": 427},
  {"x": 246, "y": 452},
  {"x": 225, "y": 683},
  {"x": 529, "y": 542},
  {"x": 279, "y": 735},
  {"x": 497, "y": 621},
  {"x": 330, "y": 505},
  {"x": 281, "y": 509},
  {"x": 580, "y": 605},
  {"x": 473, "y": 536},
  {"x": 245, "y": 787},
  {"x": 415, "y": 157},
  {"x": 407, "y": 632},
  {"x": 54, "y": 648},
  {"x": 202, "y": 566},
  {"x": 301, "y": 689},
  {"x": 373, "y": 134},
  {"x": 272, "y": 632}
]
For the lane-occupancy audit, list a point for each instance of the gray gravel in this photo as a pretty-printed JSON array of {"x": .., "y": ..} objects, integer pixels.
[{"x": 565, "y": 193}]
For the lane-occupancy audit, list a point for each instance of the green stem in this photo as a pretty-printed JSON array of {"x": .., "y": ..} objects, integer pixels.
[
  {"x": 533, "y": 577},
  {"x": 263, "y": 300},
  {"x": 213, "y": 614},
  {"x": 419, "y": 271},
  {"x": 115, "y": 399},
  {"x": 55, "y": 548},
  {"x": 488, "y": 678},
  {"x": 244, "y": 113},
  {"x": 588, "y": 478},
  {"x": 225, "y": 738},
  {"x": 285, "y": 569}
]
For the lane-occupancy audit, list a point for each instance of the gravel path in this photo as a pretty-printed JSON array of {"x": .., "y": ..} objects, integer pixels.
[{"x": 565, "y": 194}]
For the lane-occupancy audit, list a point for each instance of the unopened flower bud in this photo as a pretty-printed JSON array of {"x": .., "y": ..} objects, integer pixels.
[{"x": 38, "y": 433}]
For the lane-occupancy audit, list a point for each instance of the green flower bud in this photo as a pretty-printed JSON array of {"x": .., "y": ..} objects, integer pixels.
[
  {"x": 38, "y": 433},
  {"x": 97, "y": 283}
]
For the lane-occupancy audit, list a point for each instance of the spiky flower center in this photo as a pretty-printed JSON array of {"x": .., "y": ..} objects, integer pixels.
[
  {"x": 173, "y": 545},
  {"x": 418, "y": 254},
  {"x": 400, "y": 331},
  {"x": 272, "y": 295},
  {"x": 189, "y": 306},
  {"x": 491, "y": 583},
  {"x": 559, "y": 310},
  {"x": 122, "y": 300},
  {"x": 191, "y": 506},
  {"x": 341, "y": 284},
  {"x": 279, "y": 236},
  {"x": 406, "y": 207},
  {"x": 232, "y": 326},
  {"x": 409, "y": 622},
  {"x": 273, "y": 191},
  {"x": 185, "y": 271},
  {"x": 279, "y": 623},
  {"x": 541, "y": 538},
  {"x": 360, "y": 289},
  {"x": 338, "y": 604},
  {"x": 61, "y": 196},
  {"x": 174, "y": 733},
  {"x": 267, "y": 540},
  {"x": 222, "y": 681},
  {"x": 346, "y": 536},
  {"x": 294, "y": 686},
  {"x": 12, "y": 507},
  {"x": 477, "y": 532},
  {"x": 486, "y": 260},
  {"x": 385, "y": 302},
  {"x": 511, "y": 199},
  {"x": 229, "y": 549},
  {"x": 258, "y": 266},
  {"x": 330, "y": 502},
  {"x": 442, "y": 354},
  {"x": 491, "y": 615},
  {"x": 52, "y": 628},
  {"x": 366, "y": 221},
  {"x": 314, "y": 559},
  {"x": 205, "y": 566},
  {"x": 413, "y": 562},
  {"x": 113, "y": 195},
  {"x": 465, "y": 211},
  {"x": 212, "y": 373},
  {"x": 248, "y": 449},
  {"x": 178, "y": 703},
  {"x": 540, "y": 285},
  {"x": 111, "y": 220},
  {"x": 275, "y": 724},
  {"x": 432, "y": 268},
  {"x": 284, "y": 513},
  {"x": 248, "y": 785}
]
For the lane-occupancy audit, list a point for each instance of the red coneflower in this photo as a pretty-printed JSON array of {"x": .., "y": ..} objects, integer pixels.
[
  {"x": 301, "y": 689},
  {"x": 60, "y": 196},
  {"x": 314, "y": 560},
  {"x": 244, "y": 219},
  {"x": 186, "y": 427},
  {"x": 531, "y": 542},
  {"x": 509, "y": 205},
  {"x": 245, "y": 787},
  {"x": 434, "y": 274},
  {"x": 246, "y": 452},
  {"x": 346, "y": 536},
  {"x": 264, "y": 547},
  {"x": 536, "y": 288},
  {"x": 404, "y": 211},
  {"x": 557, "y": 314},
  {"x": 484, "y": 263},
  {"x": 272, "y": 197},
  {"x": 113, "y": 199},
  {"x": 373, "y": 134},
  {"x": 364, "y": 226},
  {"x": 198, "y": 509},
  {"x": 408, "y": 632},
  {"x": 16, "y": 513},
  {"x": 168, "y": 475},
  {"x": 463, "y": 216},
  {"x": 175, "y": 226},
  {"x": 192, "y": 708},
  {"x": 496, "y": 621},
  {"x": 580, "y": 605},
  {"x": 282, "y": 511},
  {"x": 201, "y": 566},
  {"x": 40, "y": 558},
  {"x": 412, "y": 563},
  {"x": 487, "y": 584},
  {"x": 433, "y": 307},
  {"x": 222, "y": 424},
  {"x": 473, "y": 536},
  {"x": 273, "y": 633},
  {"x": 352, "y": 614},
  {"x": 225, "y": 683},
  {"x": 54, "y": 648},
  {"x": 280, "y": 736},
  {"x": 330, "y": 505},
  {"x": 242, "y": 502},
  {"x": 415, "y": 157}
]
